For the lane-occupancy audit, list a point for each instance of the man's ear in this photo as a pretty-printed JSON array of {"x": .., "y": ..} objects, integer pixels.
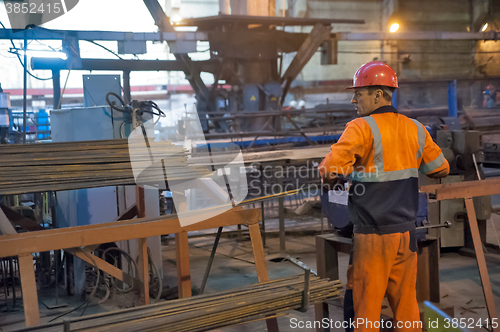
[{"x": 379, "y": 94}]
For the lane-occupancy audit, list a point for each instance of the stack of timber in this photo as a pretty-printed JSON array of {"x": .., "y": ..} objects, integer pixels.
[
  {"x": 210, "y": 311},
  {"x": 28, "y": 168}
]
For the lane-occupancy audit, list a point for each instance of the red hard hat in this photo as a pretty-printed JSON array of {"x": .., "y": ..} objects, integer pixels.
[{"x": 375, "y": 73}]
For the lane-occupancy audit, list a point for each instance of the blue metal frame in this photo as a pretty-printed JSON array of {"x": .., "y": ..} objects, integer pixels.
[{"x": 452, "y": 99}]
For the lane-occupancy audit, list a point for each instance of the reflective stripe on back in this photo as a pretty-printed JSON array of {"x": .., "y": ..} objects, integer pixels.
[
  {"x": 380, "y": 175},
  {"x": 377, "y": 142}
]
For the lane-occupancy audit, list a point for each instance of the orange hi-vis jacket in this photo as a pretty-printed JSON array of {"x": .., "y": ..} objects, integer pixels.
[{"x": 382, "y": 153}]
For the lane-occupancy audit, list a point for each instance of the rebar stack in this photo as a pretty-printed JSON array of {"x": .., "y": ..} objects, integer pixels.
[
  {"x": 206, "y": 312},
  {"x": 76, "y": 165}
]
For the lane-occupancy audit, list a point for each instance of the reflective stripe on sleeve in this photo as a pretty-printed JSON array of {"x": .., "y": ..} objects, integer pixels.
[
  {"x": 433, "y": 165},
  {"x": 421, "y": 139}
]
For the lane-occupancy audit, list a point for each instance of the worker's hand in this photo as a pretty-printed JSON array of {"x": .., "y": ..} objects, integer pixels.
[{"x": 335, "y": 182}]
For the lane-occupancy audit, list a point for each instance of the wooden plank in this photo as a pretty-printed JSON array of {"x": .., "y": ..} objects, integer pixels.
[
  {"x": 260, "y": 265},
  {"x": 434, "y": 270},
  {"x": 423, "y": 274},
  {"x": 18, "y": 219},
  {"x": 258, "y": 252},
  {"x": 321, "y": 310},
  {"x": 144, "y": 270},
  {"x": 130, "y": 213},
  {"x": 327, "y": 249},
  {"x": 142, "y": 266},
  {"x": 106, "y": 267},
  {"x": 182, "y": 261},
  {"x": 140, "y": 202},
  {"x": 480, "y": 189},
  {"x": 481, "y": 263},
  {"x": 464, "y": 189},
  {"x": 28, "y": 286},
  {"x": 6, "y": 227},
  {"x": 53, "y": 239},
  {"x": 433, "y": 187}
]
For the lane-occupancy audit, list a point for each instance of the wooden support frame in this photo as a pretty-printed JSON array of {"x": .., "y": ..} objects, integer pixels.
[
  {"x": 183, "y": 267},
  {"x": 81, "y": 236},
  {"x": 467, "y": 190},
  {"x": 260, "y": 265},
  {"x": 105, "y": 266},
  {"x": 25, "y": 244},
  {"x": 140, "y": 203},
  {"x": 28, "y": 286}
]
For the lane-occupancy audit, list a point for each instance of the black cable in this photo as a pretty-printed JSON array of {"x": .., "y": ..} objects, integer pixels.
[
  {"x": 104, "y": 47},
  {"x": 91, "y": 294},
  {"x": 152, "y": 104},
  {"x": 113, "y": 106}
]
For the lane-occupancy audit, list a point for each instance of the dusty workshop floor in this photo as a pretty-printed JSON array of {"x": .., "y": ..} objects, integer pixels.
[{"x": 234, "y": 267}]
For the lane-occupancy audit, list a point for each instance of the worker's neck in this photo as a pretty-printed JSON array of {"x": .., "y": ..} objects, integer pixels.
[{"x": 381, "y": 104}]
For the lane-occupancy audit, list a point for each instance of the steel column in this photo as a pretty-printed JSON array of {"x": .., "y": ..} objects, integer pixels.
[{"x": 452, "y": 99}]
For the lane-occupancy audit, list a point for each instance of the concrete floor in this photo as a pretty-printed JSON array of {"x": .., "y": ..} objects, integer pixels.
[{"x": 233, "y": 267}]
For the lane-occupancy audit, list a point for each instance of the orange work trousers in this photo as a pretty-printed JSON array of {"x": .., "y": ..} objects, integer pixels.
[{"x": 384, "y": 265}]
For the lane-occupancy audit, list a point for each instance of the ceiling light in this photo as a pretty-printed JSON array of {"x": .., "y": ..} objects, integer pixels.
[
  {"x": 394, "y": 27},
  {"x": 485, "y": 26},
  {"x": 176, "y": 18}
]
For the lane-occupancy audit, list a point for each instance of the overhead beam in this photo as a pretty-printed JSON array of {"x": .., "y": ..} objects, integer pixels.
[
  {"x": 418, "y": 35},
  {"x": 190, "y": 68},
  {"x": 306, "y": 51},
  {"x": 252, "y": 18},
  {"x": 121, "y": 65},
  {"x": 46, "y": 34},
  {"x": 203, "y": 36},
  {"x": 161, "y": 19}
]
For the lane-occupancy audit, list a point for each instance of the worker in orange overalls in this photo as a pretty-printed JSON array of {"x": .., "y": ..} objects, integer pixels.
[{"x": 382, "y": 152}]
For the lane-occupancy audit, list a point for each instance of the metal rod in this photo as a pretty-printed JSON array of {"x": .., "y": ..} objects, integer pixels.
[
  {"x": 13, "y": 280},
  {"x": 210, "y": 260},
  {"x": 205, "y": 312},
  {"x": 446, "y": 224},
  {"x": 301, "y": 264},
  {"x": 25, "y": 82},
  {"x": 281, "y": 214},
  {"x": 5, "y": 286},
  {"x": 306, "y": 293},
  {"x": 262, "y": 205}
]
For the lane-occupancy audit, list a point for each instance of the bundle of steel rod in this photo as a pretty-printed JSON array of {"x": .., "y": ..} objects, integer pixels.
[
  {"x": 205, "y": 312},
  {"x": 76, "y": 165}
]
